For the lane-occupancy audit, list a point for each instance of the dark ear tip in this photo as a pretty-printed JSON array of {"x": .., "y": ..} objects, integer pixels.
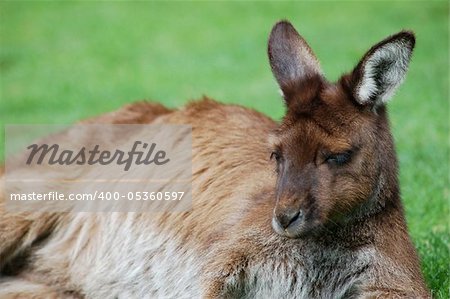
[
  {"x": 282, "y": 23},
  {"x": 407, "y": 36},
  {"x": 282, "y": 26}
]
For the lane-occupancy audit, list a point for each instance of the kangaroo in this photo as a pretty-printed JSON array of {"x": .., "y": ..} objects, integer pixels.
[{"x": 305, "y": 208}]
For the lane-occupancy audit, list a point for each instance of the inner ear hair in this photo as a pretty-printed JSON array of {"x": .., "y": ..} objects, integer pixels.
[
  {"x": 291, "y": 58},
  {"x": 383, "y": 69}
]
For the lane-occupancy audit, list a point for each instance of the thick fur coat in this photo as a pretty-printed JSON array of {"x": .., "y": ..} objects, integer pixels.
[{"x": 321, "y": 219}]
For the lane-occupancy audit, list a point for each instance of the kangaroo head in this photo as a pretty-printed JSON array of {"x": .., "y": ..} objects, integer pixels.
[{"x": 333, "y": 150}]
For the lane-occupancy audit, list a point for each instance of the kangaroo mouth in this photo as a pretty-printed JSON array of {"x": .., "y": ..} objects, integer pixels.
[{"x": 296, "y": 227}]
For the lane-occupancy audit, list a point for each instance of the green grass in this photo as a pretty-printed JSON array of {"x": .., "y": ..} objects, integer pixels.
[{"x": 60, "y": 62}]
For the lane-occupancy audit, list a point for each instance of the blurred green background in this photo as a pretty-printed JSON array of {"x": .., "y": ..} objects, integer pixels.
[{"x": 60, "y": 62}]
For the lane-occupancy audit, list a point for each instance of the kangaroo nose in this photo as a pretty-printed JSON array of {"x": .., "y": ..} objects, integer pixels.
[{"x": 287, "y": 217}]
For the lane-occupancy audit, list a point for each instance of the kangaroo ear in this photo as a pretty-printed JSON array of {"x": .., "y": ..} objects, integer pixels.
[
  {"x": 291, "y": 58},
  {"x": 381, "y": 71}
]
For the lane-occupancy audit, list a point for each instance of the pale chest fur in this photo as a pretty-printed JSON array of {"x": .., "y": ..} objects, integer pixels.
[
  {"x": 307, "y": 272},
  {"x": 112, "y": 257}
]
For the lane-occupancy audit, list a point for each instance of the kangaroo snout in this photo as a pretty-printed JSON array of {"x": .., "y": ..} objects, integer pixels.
[
  {"x": 288, "y": 220},
  {"x": 288, "y": 217}
]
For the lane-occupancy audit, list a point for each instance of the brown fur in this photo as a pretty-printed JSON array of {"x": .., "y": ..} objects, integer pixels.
[{"x": 351, "y": 209}]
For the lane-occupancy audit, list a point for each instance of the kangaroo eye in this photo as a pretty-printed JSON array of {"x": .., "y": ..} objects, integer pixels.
[
  {"x": 339, "y": 159},
  {"x": 276, "y": 156}
]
